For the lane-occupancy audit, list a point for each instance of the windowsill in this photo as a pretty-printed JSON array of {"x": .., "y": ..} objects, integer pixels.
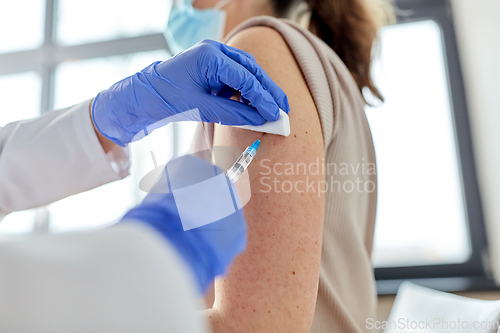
[{"x": 448, "y": 284}]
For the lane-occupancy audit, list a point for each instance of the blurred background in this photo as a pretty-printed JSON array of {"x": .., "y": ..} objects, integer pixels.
[{"x": 436, "y": 136}]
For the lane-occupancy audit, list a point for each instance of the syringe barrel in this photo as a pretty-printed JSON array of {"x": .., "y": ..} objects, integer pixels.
[
  {"x": 240, "y": 165},
  {"x": 243, "y": 162}
]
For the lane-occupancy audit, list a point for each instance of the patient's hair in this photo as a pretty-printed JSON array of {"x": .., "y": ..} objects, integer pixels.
[{"x": 349, "y": 27}]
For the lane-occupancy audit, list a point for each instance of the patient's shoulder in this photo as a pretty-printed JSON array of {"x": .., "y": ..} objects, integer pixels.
[
  {"x": 259, "y": 38},
  {"x": 273, "y": 54},
  {"x": 266, "y": 44}
]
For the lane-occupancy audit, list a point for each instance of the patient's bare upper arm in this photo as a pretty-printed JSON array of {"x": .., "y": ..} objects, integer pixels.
[{"x": 273, "y": 285}]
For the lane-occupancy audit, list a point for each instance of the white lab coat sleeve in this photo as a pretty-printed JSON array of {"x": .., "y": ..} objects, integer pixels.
[
  {"x": 122, "y": 279},
  {"x": 51, "y": 157}
]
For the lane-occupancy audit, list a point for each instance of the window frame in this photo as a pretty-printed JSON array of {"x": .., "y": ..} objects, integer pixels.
[{"x": 475, "y": 273}]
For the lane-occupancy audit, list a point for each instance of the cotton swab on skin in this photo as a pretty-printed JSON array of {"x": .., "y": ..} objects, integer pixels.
[{"x": 279, "y": 127}]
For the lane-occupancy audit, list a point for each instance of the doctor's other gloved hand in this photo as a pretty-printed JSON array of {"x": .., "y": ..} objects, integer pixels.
[
  {"x": 193, "y": 209},
  {"x": 195, "y": 85}
]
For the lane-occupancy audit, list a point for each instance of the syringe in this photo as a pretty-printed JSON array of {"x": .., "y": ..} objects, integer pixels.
[{"x": 242, "y": 162}]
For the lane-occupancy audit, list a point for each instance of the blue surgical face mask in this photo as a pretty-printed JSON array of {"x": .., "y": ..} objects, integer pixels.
[{"x": 187, "y": 25}]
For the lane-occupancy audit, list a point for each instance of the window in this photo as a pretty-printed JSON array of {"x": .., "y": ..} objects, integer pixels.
[
  {"x": 421, "y": 213},
  {"x": 110, "y": 19},
  {"x": 28, "y": 25},
  {"x": 430, "y": 227},
  {"x": 55, "y": 62}
]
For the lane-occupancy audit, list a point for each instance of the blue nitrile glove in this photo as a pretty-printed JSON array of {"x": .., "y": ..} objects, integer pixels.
[
  {"x": 185, "y": 201},
  {"x": 203, "y": 78}
]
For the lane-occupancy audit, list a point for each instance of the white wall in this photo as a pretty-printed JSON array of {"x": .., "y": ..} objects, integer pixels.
[{"x": 477, "y": 24}]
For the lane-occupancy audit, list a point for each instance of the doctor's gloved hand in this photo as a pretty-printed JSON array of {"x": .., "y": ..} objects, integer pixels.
[
  {"x": 195, "y": 210},
  {"x": 195, "y": 85}
]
